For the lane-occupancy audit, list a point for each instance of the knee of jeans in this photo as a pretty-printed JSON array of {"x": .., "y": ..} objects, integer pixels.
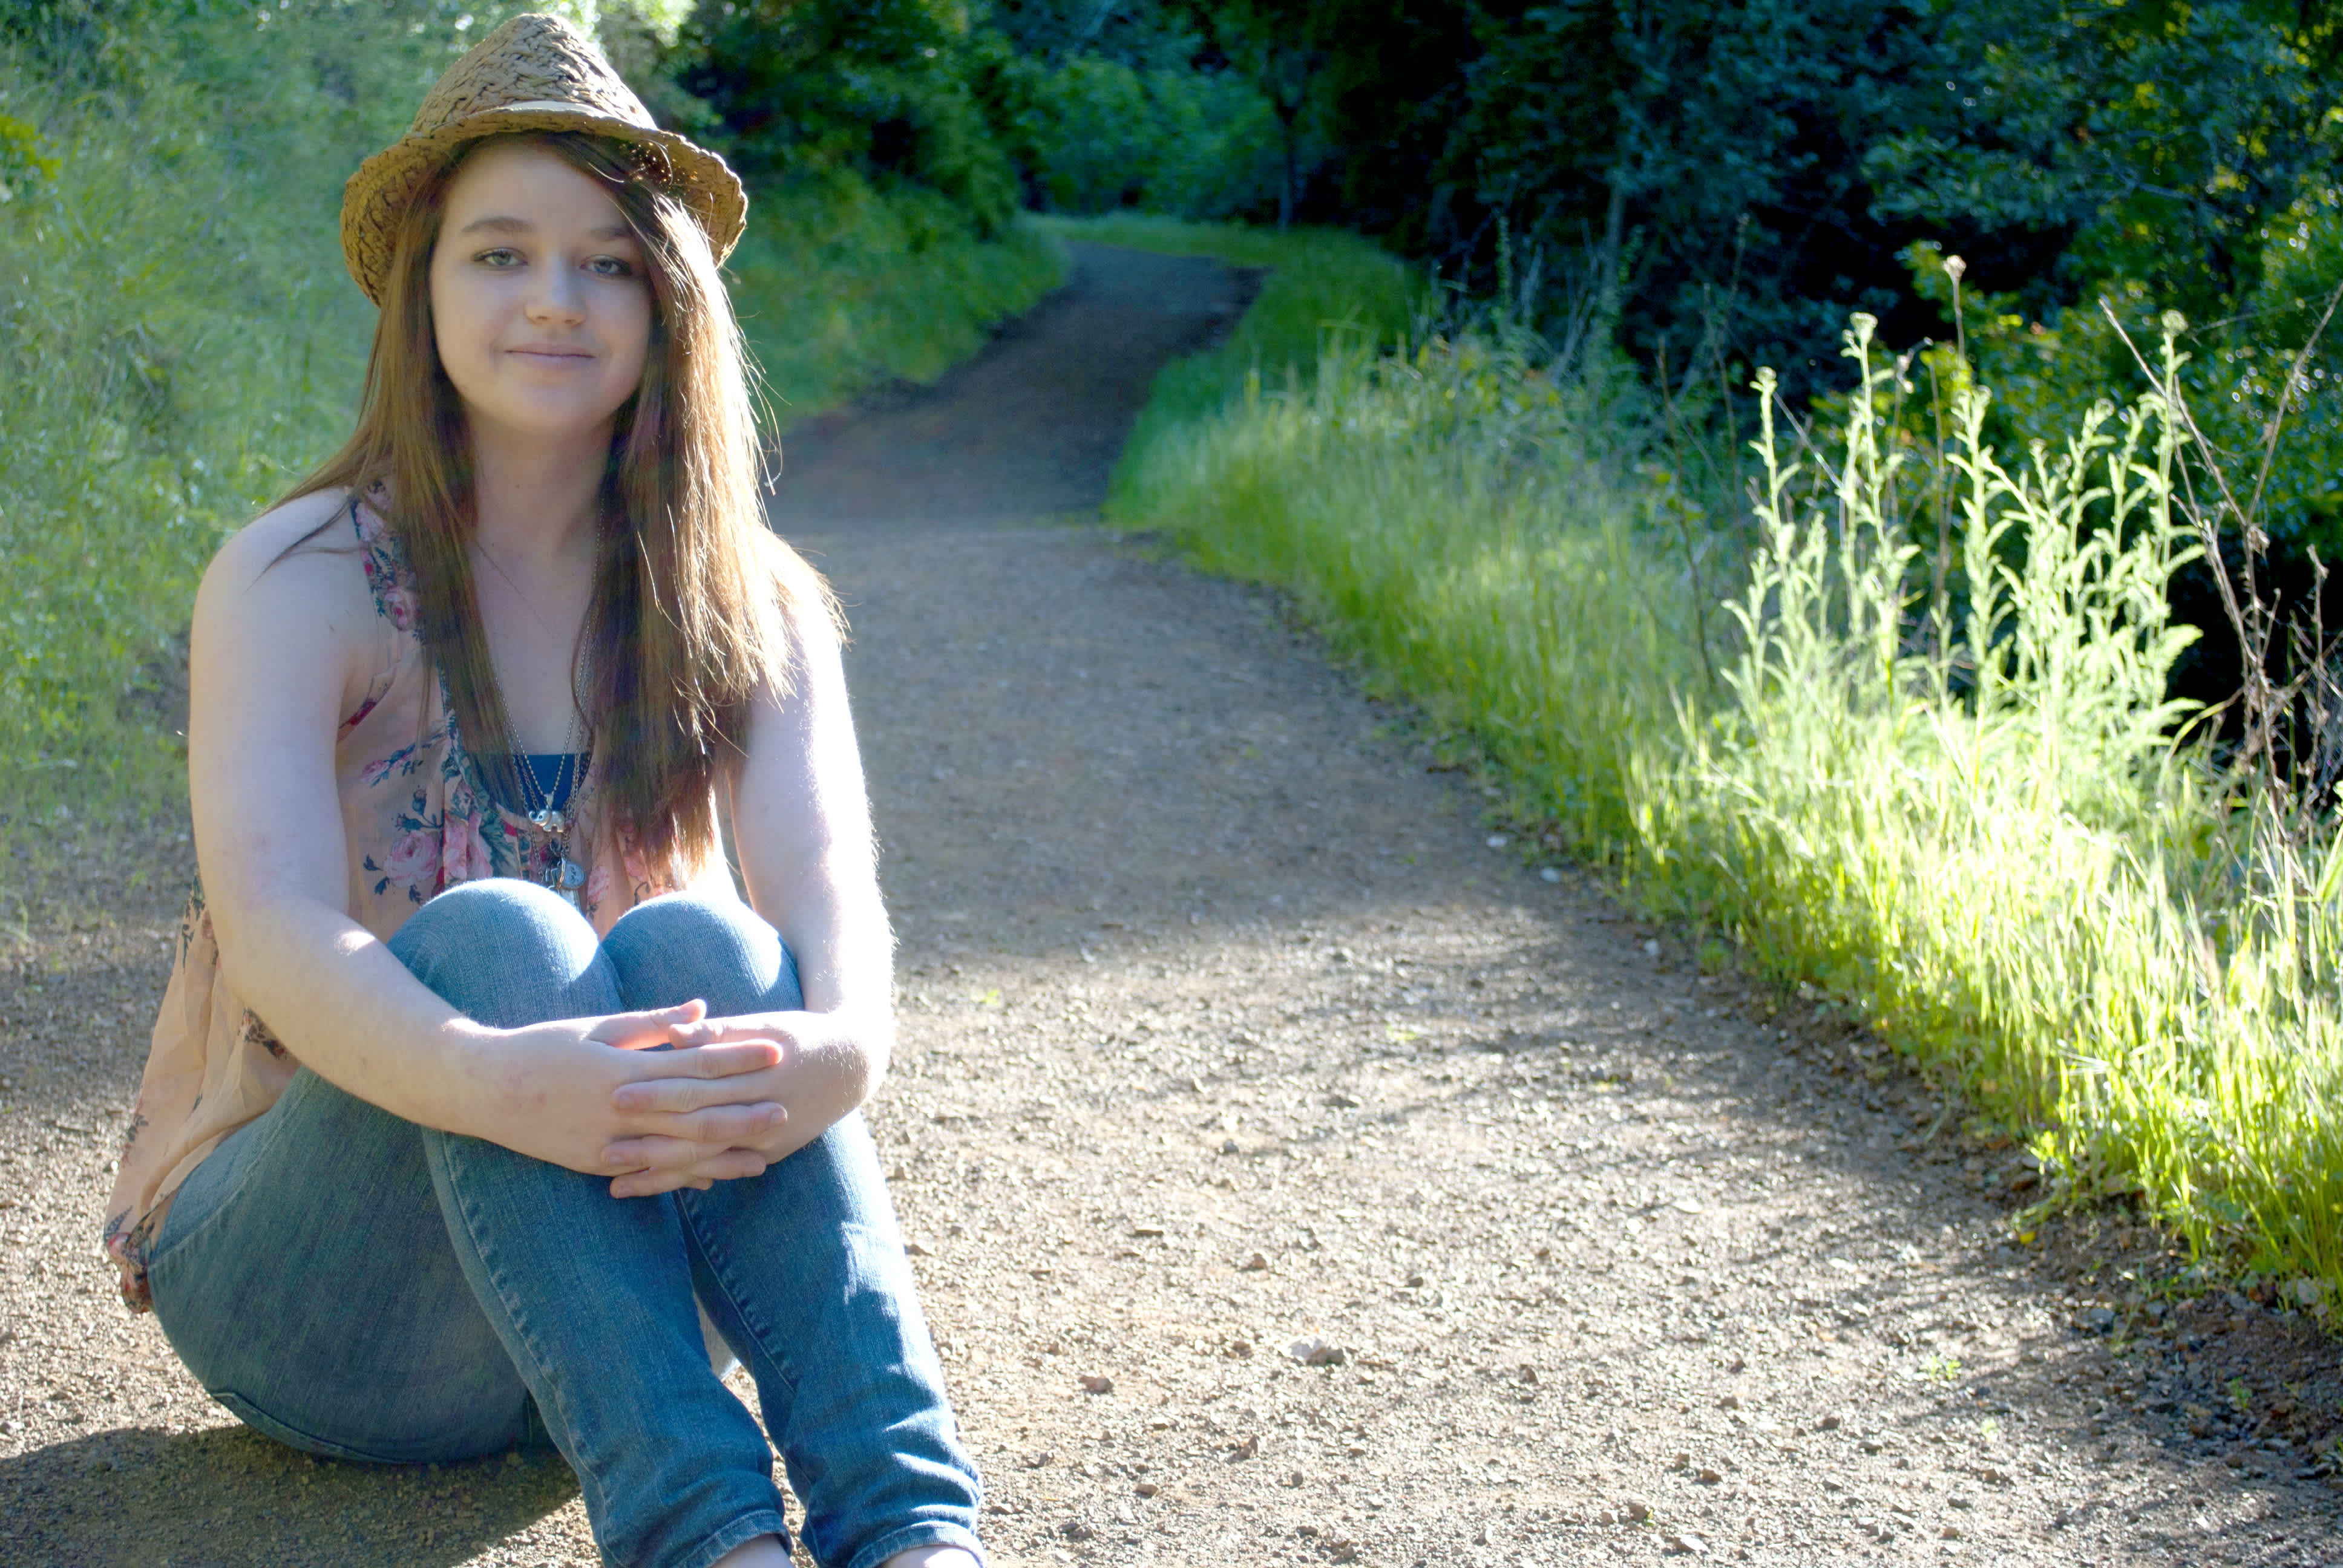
[
  {"x": 493, "y": 931},
  {"x": 699, "y": 946}
]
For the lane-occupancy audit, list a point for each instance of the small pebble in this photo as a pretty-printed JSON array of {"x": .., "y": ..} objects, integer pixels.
[{"x": 1098, "y": 1384}]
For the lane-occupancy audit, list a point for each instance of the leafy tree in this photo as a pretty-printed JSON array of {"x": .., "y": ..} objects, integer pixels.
[
  {"x": 2162, "y": 137},
  {"x": 1143, "y": 35},
  {"x": 875, "y": 87},
  {"x": 1282, "y": 47}
]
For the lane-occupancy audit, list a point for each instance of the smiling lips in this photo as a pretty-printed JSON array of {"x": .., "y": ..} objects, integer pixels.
[{"x": 549, "y": 351}]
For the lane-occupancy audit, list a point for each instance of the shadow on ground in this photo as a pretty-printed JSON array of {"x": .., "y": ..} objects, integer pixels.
[{"x": 137, "y": 1495}]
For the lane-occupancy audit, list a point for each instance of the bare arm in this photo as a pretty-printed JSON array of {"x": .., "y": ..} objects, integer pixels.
[
  {"x": 802, "y": 814},
  {"x": 275, "y": 648},
  {"x": 801, "y": 822}
]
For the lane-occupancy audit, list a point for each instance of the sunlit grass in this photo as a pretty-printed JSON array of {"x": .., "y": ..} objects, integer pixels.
[
  {"x": 839, "y": 286},
  {"x": 1989, "y": 843},
  {"x": 1313, "y": 281}
]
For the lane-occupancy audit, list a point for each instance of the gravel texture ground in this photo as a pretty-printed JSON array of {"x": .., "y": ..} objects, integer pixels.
[{"x": 1298, "y": 1170}]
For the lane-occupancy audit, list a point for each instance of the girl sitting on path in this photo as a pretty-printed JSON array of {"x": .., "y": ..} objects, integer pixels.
[{"x": 474, "y": 1073}]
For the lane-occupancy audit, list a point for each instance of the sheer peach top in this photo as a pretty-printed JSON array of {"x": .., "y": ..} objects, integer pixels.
[{"x": 419, "y": 817}]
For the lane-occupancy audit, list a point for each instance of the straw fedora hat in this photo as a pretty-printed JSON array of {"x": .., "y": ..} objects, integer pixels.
[{"x": 533, "y": 74}]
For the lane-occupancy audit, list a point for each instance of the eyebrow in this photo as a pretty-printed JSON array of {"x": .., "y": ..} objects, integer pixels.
[{"x": 522, "y": 226}]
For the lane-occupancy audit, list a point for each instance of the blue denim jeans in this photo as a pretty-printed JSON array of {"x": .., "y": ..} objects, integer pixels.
[{"x": 355, "y": 1285}]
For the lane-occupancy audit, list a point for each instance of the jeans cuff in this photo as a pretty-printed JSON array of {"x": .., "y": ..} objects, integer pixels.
[
  {"x": 748, "y": 1527},
  {"x": 926, "y": 1533}
]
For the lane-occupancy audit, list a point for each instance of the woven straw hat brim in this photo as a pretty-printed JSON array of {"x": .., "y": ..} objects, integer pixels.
[{"x": 378, "y": 194}]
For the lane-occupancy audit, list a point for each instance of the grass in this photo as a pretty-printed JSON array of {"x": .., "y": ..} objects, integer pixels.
[
  {"x": 179, "y": 342},
  {"x": 1948, "y": 791},
  {"x": 1315, "y": 282},
  {"x": 841, "y": 286}
]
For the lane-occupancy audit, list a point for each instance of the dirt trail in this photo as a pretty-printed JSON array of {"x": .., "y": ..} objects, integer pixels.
[{"x": 1228, "y": 1027}]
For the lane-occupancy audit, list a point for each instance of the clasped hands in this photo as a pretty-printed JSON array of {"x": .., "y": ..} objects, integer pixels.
[{"x": 717, "y": 1107}]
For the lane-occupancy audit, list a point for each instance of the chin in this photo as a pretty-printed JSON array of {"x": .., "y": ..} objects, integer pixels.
[{"x": 559, "y": 422}]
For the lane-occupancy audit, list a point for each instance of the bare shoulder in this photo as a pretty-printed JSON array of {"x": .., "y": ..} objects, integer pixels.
[
  {"x": 284, "y": 608},
  {"x": 299, "y": 559},
  {"x": 311, "y": 528},
  {"x": 810, "y": 610}
]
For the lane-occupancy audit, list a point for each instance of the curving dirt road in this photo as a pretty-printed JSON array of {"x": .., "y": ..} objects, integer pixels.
[{"x": 1230, "y": 1031}]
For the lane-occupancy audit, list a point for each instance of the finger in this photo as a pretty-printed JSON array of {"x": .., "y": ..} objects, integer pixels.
[
  {"x": 727, "y": 1061},
  {"x": 679, "y": 1096},
  {"x": 671, "y": 1141},
  {"x": 650, "y": 1152},
  {"x": 724, "y": 1165},
  {"x": 650, "y": 1027},
  {"x": 725, "y": 1030}
]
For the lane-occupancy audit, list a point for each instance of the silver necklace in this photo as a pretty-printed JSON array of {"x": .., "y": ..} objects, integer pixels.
[{"x": 563, "y": 874}]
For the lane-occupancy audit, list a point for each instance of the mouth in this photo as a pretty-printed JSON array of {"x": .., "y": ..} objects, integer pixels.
[{"x": 547, "y": 353}]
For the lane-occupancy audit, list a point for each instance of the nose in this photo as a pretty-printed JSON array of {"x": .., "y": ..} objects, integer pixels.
[{"x": 557, "y": 298}]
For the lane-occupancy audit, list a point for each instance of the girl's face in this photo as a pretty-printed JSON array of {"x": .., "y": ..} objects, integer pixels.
[{"x": 540, "y": 299}]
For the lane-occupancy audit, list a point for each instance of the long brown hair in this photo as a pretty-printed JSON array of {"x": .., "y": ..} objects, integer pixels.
[{"x": 696, "y": 601}]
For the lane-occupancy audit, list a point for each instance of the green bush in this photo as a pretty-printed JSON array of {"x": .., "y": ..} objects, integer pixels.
[
  {"x": 840, "y": 286},
  {"x": 178, "y": 342},
  {"x": 2046, "y": 376},
  {"x": 879, "y": 88},
  {"x": 1095, "y": 134}
]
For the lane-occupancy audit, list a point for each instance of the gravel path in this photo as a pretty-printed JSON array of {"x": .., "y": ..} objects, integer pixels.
[{"x": 1296, "y": 1172}]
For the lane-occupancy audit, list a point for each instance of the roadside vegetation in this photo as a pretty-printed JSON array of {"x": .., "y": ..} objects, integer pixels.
[{"x": 1903, "y": 736}]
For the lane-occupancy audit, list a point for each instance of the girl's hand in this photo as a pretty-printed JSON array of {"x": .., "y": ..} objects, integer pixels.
[
  {"x": 553, "y": 1088},
  {"x": 821, "y": 1070}
]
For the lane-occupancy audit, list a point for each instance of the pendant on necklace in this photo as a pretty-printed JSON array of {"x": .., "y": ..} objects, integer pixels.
[
  {"x": 550, "y": 821},
  {"x": 572, "y": 875}
]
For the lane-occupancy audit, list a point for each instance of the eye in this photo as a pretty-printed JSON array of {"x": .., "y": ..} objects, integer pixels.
[
  {"x": 611, "y": 266},
  {"x": 498, "y": 258}
]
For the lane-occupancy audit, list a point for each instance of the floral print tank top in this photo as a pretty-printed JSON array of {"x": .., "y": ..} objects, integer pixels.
[{"x": 419, "y": 816}]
